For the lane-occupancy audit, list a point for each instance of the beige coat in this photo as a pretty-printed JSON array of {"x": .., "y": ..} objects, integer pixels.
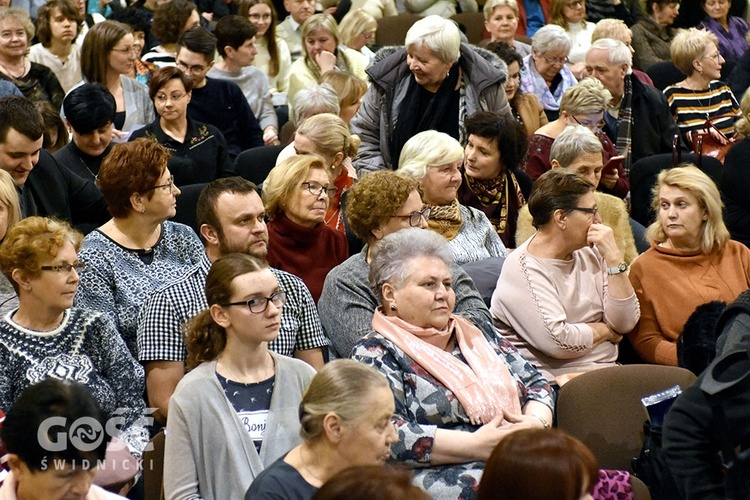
[{"x": 614, "y": 214}]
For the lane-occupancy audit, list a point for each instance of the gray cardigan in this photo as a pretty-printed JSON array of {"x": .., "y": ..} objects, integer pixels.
[{"x": 208, "y": 453}]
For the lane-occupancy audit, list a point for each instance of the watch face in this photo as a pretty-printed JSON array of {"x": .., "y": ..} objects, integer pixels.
[{"x": 623, "y": 267}]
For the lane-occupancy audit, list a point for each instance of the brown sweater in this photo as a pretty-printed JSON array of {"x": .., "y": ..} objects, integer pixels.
[{"x": 670, "y": 284}]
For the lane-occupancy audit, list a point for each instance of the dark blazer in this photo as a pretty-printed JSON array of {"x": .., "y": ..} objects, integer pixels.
[
  {"x": 58, "y": 192},
  {"x": 653, "y": 125}
]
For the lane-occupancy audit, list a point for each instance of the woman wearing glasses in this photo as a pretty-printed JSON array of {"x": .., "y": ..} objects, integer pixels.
[
  {"x": 108, "y": 54},
  {"x": 198, "y": 151},
  {"x": 45, "y": 337},
  {"x": 545, "y": 71},
  {"x": 327, "y": 136},
  {"x": 583, "y": 104},
  {"x": 237, "y": 410},
  {"x": 571, "y": 16},
  {"x": 297, "y": 195},
  {"x": 701, "y": 96},
  {"x": 138, "y": 250},
  {"x": 564, "y": 298}
]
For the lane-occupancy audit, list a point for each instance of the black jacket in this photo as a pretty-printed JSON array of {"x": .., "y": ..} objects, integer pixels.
[
  {"x": 58, "y": 192},
  {"x": 653, "y": 125}
]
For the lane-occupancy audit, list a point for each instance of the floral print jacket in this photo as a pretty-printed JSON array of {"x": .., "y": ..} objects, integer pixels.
[{"x": 423, "y": 404}]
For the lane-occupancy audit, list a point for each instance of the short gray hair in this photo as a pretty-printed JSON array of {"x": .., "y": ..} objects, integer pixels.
[
  {"x": 438, "y": 34},
  {"x": 550, "y": 37},
  {"x": 573, "y": 142},
  {"x": 428, "y": 149},
  {"x": 392, "y": 257},
  {"x": 618, "y": 52},
  {"x": 315, "y": 99}
]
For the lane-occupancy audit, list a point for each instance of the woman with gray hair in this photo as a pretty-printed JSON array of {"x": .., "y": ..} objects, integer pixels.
[
  {"x": 459, "y": 387},
  {"x": 546, "y": 73},
  {"x": 435, "y": 159},
  {"x": 583, "y": 104},
  {"x": 563, "y": 297},
  {"x": 430, "y": 84},
  {"x": 579, "y": 150}
]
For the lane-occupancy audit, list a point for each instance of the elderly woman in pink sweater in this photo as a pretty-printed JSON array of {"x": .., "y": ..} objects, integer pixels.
[{"x": 563, "y": 297}]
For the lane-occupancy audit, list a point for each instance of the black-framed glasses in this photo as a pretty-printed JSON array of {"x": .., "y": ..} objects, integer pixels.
[
  {"x": 260, "y": 304},
  {"x": 65, "y": 267},
  {"x": 190, "y": 69},
  {"x": 316, "y": 189},
  {"x": 591, "y": 211},
  {"x": 598, "y": 125},
  {"x": 415, "y": 218},
  {"x": 169, "y": 185}
]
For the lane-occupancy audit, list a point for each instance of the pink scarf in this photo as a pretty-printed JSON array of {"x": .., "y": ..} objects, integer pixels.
[{"x": 484, "y": 388}]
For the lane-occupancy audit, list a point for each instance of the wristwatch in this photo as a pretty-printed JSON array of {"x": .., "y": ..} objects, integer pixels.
[{"x": 617, "y": 270}]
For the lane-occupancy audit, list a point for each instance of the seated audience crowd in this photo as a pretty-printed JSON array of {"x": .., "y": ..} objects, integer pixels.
[{"x": 404, "y": 228}]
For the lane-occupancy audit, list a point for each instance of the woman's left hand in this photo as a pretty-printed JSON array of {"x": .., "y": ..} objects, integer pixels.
[
  {"x": 602, "y": 237},
  {"x": 326, "y": 61},
  {"x": 609, "y": 181},
  {"x": 519, "y": 421}
]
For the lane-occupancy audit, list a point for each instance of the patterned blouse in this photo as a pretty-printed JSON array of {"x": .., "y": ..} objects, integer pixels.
[
  {"x": 423, "y": 405},
  {"x": 691, "y": 108},
  {"x": 84, "y": 348},
  {"x": 118, "y": 281}
]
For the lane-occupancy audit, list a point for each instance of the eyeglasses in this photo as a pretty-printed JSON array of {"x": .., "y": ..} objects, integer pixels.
[
  {"x": 316, "y": 189},
  {"x": 716, "y": 57},
  {"x": 162, "y": 98},
  {"x": 190, "y": 69},
  {"x": 591, "y": 211},
  {"x": 415, "y": 218},
  {"x": 128, "y": 50},
  {"x": 556, "y": 60},
  {"x": 259, "y": 17},
  {"x": 259, "y": 305},
  {"x": 59, "y": 268},
  {"x": 589, "y": 125},
  {"x": 169, "y": 185},
  {"x": 575, "y": 4}
]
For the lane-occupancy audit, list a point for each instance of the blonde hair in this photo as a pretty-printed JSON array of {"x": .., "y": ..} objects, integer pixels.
[
  {"x": 743, "y": 124},
  {"x": 285, "y": 178},
  {"x": 689, "y": 45},
  {"x": 22, "y": 17},
  {"x": 428, "y": 149},
  {"x": 349, "y": 88},
  {"x": 615, "y": 29},
  {"x": 354, "y": 24},
  {"x": 491, "y": 5},
  {"x": 341, "y": 387},
  {"x": 330, "y": 135},
  {"x": 322, "y": 22},
  {"x": 587, "y": 97},
  {"x": 693, "y": 180},
  {"x": 9, "y": 196}
]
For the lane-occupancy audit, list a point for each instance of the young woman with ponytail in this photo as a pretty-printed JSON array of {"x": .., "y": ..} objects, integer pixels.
[{"x": 236, "y": 412}]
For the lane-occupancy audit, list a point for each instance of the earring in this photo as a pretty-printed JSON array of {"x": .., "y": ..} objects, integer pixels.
[{"x": 393, "y": 307}]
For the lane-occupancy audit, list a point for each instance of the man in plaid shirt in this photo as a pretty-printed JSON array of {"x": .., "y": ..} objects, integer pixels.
[{"x": 231, "y": 217}]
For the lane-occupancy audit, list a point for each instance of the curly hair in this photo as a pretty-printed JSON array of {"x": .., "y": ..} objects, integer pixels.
[
  {"x": 32, "y": 241},
  {"x": 131, "y": 167},
  {"x": 374, "y": 199},
  {"x": 170, "y": 18}
]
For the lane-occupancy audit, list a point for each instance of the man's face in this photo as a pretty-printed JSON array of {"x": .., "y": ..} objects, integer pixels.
[
  {"x": 611, "y": 75},
  {"x": 194, "y": 64},
  {"x": 242, "y": 220},
  {"x": 19, "y": 155},
  {"x": 300, "y": 10}
]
